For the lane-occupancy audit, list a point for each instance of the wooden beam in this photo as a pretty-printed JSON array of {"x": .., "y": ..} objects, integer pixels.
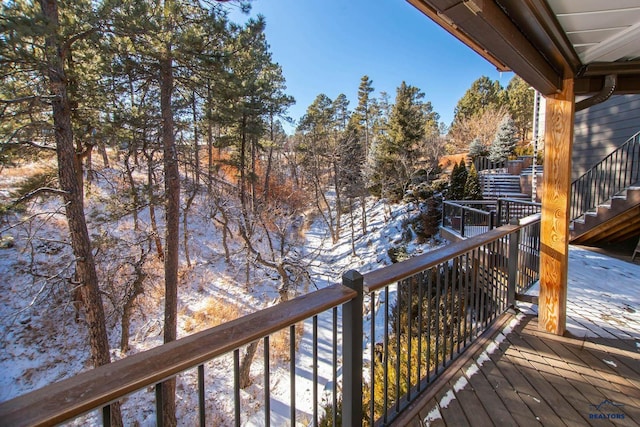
[
  {"x": 483, "y": 26},
  {"x": 554, "y": 238},
  {"x": 453, "y": 30}
]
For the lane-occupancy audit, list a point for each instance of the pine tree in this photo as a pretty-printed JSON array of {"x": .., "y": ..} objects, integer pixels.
[
  {"x": 472, "y": 188},
  {"x": 477, "y": 149},
  {"x": 504, "y": 143},
  {"x": 520, "y": 98},
  {"x": 457, "y": 181},
  {"x": 363, "y": 110},
  {"x": 398, "y": 150}
]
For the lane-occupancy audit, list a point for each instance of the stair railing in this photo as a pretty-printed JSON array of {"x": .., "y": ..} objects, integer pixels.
[{"x": 614, "y": 173}]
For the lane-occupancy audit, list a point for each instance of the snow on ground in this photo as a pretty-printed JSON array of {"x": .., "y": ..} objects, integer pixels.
[
  {"x": 331, "y": 262},
  {"x": 42, "y": 343},
  {"x": 603, "y": 296}
]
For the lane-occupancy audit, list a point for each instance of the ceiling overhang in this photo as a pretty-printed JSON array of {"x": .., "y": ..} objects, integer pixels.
[{"x": 527, "y": 37}]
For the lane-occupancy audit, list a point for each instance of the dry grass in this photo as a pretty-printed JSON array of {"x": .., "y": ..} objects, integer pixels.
[
  {"x": 279, "y": 343},
  {"x": 447, "y": 162},
  {"x": 213, "y": 313}
]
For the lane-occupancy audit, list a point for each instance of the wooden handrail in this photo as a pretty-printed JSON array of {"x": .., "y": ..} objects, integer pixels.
[
  {"x": 395, "y": 272},
  {"x": 100, "y": 386},
  {"x": 377, "y": 279},
  {"x": 468, "y": 208}
]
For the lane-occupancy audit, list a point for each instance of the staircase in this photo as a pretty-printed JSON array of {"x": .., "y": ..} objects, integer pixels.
[
  {"x": 613, "y": 221},
  {"x": 605, "y": 201},
  {"x": 500, "y": 185}
]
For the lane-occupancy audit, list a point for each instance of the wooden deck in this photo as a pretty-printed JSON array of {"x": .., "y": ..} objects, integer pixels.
[{"x": 522, "y": 376}]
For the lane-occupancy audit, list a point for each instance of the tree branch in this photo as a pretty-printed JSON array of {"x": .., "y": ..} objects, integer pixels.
[{"x": 39, "y": 191}]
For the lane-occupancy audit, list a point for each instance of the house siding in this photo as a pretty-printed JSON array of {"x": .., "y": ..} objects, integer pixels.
[{"x": 600, "y": 129}]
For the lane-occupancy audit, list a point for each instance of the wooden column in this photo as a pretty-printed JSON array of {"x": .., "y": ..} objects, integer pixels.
[{"x": 554, "y": 255}]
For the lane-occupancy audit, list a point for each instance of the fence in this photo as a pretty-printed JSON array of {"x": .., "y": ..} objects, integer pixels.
[
  {"x": 417, "y": 316},
  {"x": 470, "y": 218}
]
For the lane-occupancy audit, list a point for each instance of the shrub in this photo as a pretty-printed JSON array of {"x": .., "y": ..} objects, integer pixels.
[{"x": 398, "y": 253}]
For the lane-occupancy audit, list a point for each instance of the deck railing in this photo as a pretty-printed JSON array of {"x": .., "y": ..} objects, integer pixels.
[
  {"x": 483, "y": 163},
  {"x": 610, "y": 176},
  {"x": 470, "y": 218},
  {"x": 402, "y": 325},
  {"x": 425, "y": 312}
]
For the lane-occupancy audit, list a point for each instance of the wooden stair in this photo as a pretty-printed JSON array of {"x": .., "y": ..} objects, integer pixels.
[
  {"x": 614, "y": 221},
  {"x": 496, "y": 185}
]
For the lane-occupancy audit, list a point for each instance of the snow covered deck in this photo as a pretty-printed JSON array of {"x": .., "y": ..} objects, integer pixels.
[{"x": 523, "y": 376}]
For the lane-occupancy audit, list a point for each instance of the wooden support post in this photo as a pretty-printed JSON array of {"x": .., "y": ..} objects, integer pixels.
[
  {"x": 352, "y": 352},
  {"x": 554, "y": 236}
]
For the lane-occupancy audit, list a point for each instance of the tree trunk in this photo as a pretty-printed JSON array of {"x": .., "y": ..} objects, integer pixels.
[
  {"x": 152, "y": 204},
  {"x": 172, "y": 214},
  {"x": 209, "y": 138},
  {"x": 135, "y": 290},
  {"x": 185, "y": 222},
  {"x": 353, "y": 228},
  {"x": 363, "y": 203},
  {"x": 196, "y": 147},
  {"x": 134, "y": 191},
  {"x": 103, "y": 152},
  {"x": 70, "y": 176},
  {"x": 245, "y": 365},
  {"x": 336, "y": 184}
]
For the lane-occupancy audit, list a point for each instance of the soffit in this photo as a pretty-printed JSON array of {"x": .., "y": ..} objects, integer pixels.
[{"x": 545, "y": 41}]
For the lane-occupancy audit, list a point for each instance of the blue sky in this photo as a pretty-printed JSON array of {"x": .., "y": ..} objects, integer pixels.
[{"x": 326, "y": 46}]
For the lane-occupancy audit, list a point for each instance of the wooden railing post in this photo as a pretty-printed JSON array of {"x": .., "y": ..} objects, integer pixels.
[
  {"x": 352, "y": 351},
  {"x": 514, "y": 240}
]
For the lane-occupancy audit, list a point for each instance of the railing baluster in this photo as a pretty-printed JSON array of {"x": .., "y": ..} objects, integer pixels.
[
  {"x": 420, "y": 331},
  {"x": 373, "y": 356},
  {"x": 201, "y": 404},
  {"x": 314, "y": 394},
  {"x": 398, "y": 352},
  {"x": 267, "y": 382},
  {"x": 334, "y": 411},
  {"x": 429, "y": 317},
  {"x": 459, "y": 311},
  {"x": 437, "y": 307},
  {"x": 159, "y": 405},
  {"x": 292, "y": 373},
  {"x": 386, "y": 354},
  {"x": 106, "y": 416},
  {"x": 452, "y": 308},
  {"x": 409, "y": 334},
  {"x": 236, "y": 387}
]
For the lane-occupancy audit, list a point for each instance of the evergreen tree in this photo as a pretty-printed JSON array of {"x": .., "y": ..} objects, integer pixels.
[
  {"x": 341, "y": 113},
  {"x": 504, "y": 143},
  {"x": 457, "y": 181},
  {"x": 520, "y": 97},
  {"x": 472, "y": 188},
  {"x": 398, "y": 150},
  {"x": 363, "y": 111},
  {"x": 482, "y": 95},
  {"x": 484, "y": 98},
  {"x": 477, "y": 149}
]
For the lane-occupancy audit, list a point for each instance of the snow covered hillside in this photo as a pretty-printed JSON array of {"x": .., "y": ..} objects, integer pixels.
[{"x": 43, "y": 335}]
